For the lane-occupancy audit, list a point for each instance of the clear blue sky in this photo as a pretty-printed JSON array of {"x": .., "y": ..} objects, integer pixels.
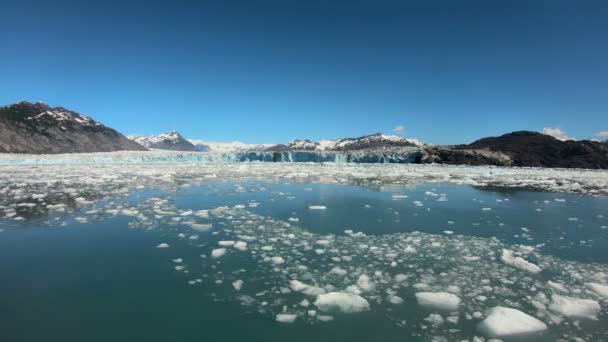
[{"x": 271, "y": 71}]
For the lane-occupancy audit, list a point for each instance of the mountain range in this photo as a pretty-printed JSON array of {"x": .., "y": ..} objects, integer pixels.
[{"x": 37, "y": 128}]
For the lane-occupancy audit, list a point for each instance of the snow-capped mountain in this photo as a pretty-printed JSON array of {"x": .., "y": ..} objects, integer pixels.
[
  {"x": 166, "y": 141},
  {"x": 227, "y": 147},
  {"x": 37, "y": 128},
  {"x": 377, "y": 140}
]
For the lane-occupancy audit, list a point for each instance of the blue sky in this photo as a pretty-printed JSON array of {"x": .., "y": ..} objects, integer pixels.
[{"x": 272, "y": 71}]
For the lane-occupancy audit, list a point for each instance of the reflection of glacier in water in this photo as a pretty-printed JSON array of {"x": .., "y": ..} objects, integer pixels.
[{"x": 427, "y": 261}]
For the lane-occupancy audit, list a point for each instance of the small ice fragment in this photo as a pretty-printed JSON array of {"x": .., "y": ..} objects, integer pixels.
[
  {"x": 277, "y": 260},
  {"x": 435, "y": 320},
  {"x": 163, "y": 245},
  {"x": 286, "y": 318},
  {"x": 393, "y": 299},
  {"x": 317, "y": 207},
  {"x": 365, "y": 283},
  {"x": 237, "y": 284},
  {"x": 218, "y": 252},
  {"x": 518, "y": 262},
  {"x": 325, "y": 318},
  {"x": 341, "y": 301},
  {"x": 338, "y": 271},
  {"x": 438, "y": 300},
  {"x": 240, "y": 245},
  {"x": 409, "y": 250},
  {"x": 306, "y": 289},
  {"x": 201, "y": 227},
  {"x": 225, "y": 243}
]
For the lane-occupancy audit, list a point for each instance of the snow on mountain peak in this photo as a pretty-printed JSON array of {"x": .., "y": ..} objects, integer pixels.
[{"x": 164, "y": 141}]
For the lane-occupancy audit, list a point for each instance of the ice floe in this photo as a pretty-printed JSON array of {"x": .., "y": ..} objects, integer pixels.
[{"x": 503, "y": 322}]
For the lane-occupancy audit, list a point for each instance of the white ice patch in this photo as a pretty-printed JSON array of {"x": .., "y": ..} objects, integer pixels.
[
  {"x": 306, "y": 289},
  {"x": 286, "y": 318},
  {"x": 575, "y": 307},
  {"x": 342, "y": 302},
  {"x": 163, "y": 245},
  {"x": 503, "y": 322},
  {"x": 518, "y": 262},
  {"x": 237, "y": 284},
  {"x": 438, "y": 300},
  {"x": 600, "y": 289},
  {"x": 365, "y": 283},
  {"x": 317, "y": 207},
  {"x": 240, "y": 245},
  {"x": 218, "y": 252},
  {"x": 277, "y": 260}
]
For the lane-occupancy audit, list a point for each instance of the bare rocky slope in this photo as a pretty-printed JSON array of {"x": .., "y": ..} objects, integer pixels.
[
  {"x": 37, "y": 128},
  {"x": 523, "y": 148}
]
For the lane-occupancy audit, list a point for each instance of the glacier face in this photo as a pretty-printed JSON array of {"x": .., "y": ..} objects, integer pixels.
[{"x": 401, "y": 155}]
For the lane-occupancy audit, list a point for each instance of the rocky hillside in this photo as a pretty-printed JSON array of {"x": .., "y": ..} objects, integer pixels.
[
  {"x": 523, "y": 148},
  {"x": 37, "y": 128}
]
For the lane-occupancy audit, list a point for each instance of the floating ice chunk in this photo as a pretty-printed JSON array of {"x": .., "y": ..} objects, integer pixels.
[
  {"x": 448, "y": 232},
  {"x": 503, "y": 322},
  {"x": 201, "y": 227},
  {"x": 397, "y": 196},
  {"x": 394, "y": 299},
  {"x": 317, "y": 207},
  {"x": 306, "y": 289},
  {"x": 486, "y": 209},
  {"x": 401, "y": 278},
  {"x": 178, "y": 260},
  {"x": 286, "y": 318},
  {"x": 216, "y": 253},
  {"x": 237, "y": 284},
  {"x": 438, "y": 300},
  {"x": 226, "y": 243},
  {"x": 240, "y": 245},
  {"x": 575, "y": 307},
  {"x": 293, "y": 219},
  {"x": 518, "y": 262},
  {"x": 338, "y": 271},
  {"x": 557, "y": 286},
  {"x": 600, "y": 289},
  {"x": 323, "y": 242},
  {"x": 435, "y": 319},
  {"x": 325, "y": 318},
  {"x": 341, "y": 301},
  {"x": 267, "y": 248},
  {"x": 365, "y": 283},
  {"x": 409, "y": 250},
  {"x": 277, "y": 260},
  {"x": 163, "y": 245}
]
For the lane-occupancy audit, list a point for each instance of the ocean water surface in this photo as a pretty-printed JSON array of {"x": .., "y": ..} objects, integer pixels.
[{"x": 274, "y": 259}]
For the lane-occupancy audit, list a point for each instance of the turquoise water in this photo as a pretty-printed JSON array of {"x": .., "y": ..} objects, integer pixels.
[{"x": 98, "y": 275}]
